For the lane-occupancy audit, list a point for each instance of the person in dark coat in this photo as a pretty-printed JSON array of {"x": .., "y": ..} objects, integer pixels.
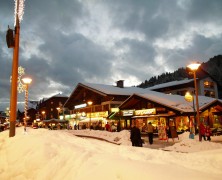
[
  {"x": 135, "y": 136},
  {"x": 150, "y": 129}
]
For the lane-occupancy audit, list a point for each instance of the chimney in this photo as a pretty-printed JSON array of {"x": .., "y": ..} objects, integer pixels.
[{"x": 119, "y": 83}]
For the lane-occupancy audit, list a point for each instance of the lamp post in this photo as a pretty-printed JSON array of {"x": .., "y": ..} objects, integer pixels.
[
  {"x": 26, "y": 82},
  {"x": 194, "y": 67},
  {"x": 90, "y": 104},
  {"x": 189, "y": 98},
  {"x": 15, "y": 45},
  {"x": 58, "y": 109},
  {"x": 43, "y": 115}
]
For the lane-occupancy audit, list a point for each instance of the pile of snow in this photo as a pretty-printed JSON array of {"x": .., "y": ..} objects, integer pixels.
[
  {"x": 55, "y": 155},
  {"x": 193, "y": 145}
]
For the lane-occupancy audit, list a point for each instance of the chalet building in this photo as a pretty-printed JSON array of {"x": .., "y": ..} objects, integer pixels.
[
  {"x": 166, "y": 109},
  {"x": 105, "y": 101},
  {"x": 122, "y": 105},
  {"x": 207, "y": 86},
  {"x": 51, "y": 107}
]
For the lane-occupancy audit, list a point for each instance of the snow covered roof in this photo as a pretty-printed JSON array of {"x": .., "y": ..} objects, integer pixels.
[
  {"x": 172, "y": 83},
  {"x": 176, "y": 102},
  {"x": 59, "y": 95},
  {"x": 114, "y": 90}
]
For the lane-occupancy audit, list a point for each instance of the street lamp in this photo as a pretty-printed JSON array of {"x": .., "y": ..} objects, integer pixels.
[
  {"x": 43, "y": 115},
  {"x": 58, "y": 109},
  {"x": 194, "y": 67},
  {"x": 26, "y": 82},
  {"x": 90, "y": 104},
  {"x": 189, "y": 98}
]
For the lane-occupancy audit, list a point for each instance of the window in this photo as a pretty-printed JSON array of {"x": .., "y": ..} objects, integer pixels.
[
  {"x": 209, "y": 93},
  {"x": 208, "y": 84}
]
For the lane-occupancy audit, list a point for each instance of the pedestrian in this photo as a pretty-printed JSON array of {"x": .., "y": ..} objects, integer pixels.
[
  {"x": 202, "y": 132},
  {"x": 150, "y": 129},
  {"x": 208, "y": 133},
  {"x": 135, "y": 136},
  {"x": 107, "y": 127},
  {"x": 113, "y": 127}
]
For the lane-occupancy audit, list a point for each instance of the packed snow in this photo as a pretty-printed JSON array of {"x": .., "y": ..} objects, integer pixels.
[{"x": 42, "y": 154}]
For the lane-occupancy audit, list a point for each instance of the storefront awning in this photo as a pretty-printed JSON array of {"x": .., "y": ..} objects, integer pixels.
[
  {"x": 156, "y": 115},
  {"x": 55, "y": 121}
]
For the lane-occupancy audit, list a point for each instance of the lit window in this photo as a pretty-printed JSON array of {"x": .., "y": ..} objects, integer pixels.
[{"x": 208, "y": 84}]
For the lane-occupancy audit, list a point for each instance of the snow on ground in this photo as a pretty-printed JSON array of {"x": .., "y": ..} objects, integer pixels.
[{"x": 54, "y": 154}]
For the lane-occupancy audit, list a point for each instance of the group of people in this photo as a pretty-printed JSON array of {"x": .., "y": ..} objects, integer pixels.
[
  {"x": 110, "y": 128},
  {"x": 205, "y": 132},
  {"x": 135, "y": 135}
]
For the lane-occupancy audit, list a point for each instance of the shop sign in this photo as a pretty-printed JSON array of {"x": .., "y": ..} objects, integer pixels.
[
  {"x": 80, "y": 106},
  {"x": 160, "y": 109},
  {"x": 145, "y": 112},
  {"x": 97, "y": 114},
  {"x": 114, "y": 109},
  {"x": 70, "y": 116},
  {"x": 128, "y": 112}
]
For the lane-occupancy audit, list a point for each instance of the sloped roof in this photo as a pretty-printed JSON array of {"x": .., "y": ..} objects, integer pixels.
[
  {"x": 105, "y": 90},
  {"x": 176, "y": 102},
  {"x": 114, "y": 90},
  {"x": 169, "y": 84}
]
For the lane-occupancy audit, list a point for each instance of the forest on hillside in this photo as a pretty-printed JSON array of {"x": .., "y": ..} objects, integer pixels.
[{"x": 213, "y": 67}]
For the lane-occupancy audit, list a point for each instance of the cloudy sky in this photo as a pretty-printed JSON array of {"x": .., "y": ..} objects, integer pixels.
[{"x": 66, "y": 42}]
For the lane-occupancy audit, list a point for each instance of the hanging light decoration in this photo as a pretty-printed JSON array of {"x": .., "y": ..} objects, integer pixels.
[{"x": 19, "y": 10}]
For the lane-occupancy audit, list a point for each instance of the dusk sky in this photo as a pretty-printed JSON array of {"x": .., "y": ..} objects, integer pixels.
[{"x": 64, "y": 42}]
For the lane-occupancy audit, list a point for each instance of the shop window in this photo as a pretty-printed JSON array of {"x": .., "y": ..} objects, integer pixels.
[{"x": 208, "y": 84}]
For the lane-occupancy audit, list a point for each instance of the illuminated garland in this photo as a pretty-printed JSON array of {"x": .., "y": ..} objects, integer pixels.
[
  {"x": 20, "y": 86},
  {"x": 19, "y": 10}
]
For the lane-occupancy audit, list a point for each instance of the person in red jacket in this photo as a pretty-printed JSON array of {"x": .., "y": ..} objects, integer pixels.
[
  {"x": 208, "y": 133},
  {"x": 107, "y": 126},
  {"x": 202, "y": 131}
]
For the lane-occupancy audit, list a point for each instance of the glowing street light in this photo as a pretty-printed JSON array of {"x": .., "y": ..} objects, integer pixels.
[
  {"x": 43, "y": 115},
  {"x": 194, "y": 67},
  {"x": 90, "y": 104},
  {"x": 27, "y": 81}
]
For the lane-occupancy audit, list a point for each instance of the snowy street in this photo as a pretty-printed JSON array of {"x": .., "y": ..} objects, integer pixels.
[{"x": 46, "y": 154}]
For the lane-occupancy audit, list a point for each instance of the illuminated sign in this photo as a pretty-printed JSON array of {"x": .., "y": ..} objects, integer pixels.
[
  {"x": 128, "y": 112},
  {"x": 80, "y": 106},
  {"x": 114, "y": 109},
  {"x": 98, "y": 114},
  {"x": 145, "y": 112}
]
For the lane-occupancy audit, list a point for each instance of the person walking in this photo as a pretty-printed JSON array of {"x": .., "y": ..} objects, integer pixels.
[
  {"x": 208, "y": 133},
  {"x": 150, "y": 130},
  {"x": 135, "y": 136},
  {"x": 202, "y": 131}
]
